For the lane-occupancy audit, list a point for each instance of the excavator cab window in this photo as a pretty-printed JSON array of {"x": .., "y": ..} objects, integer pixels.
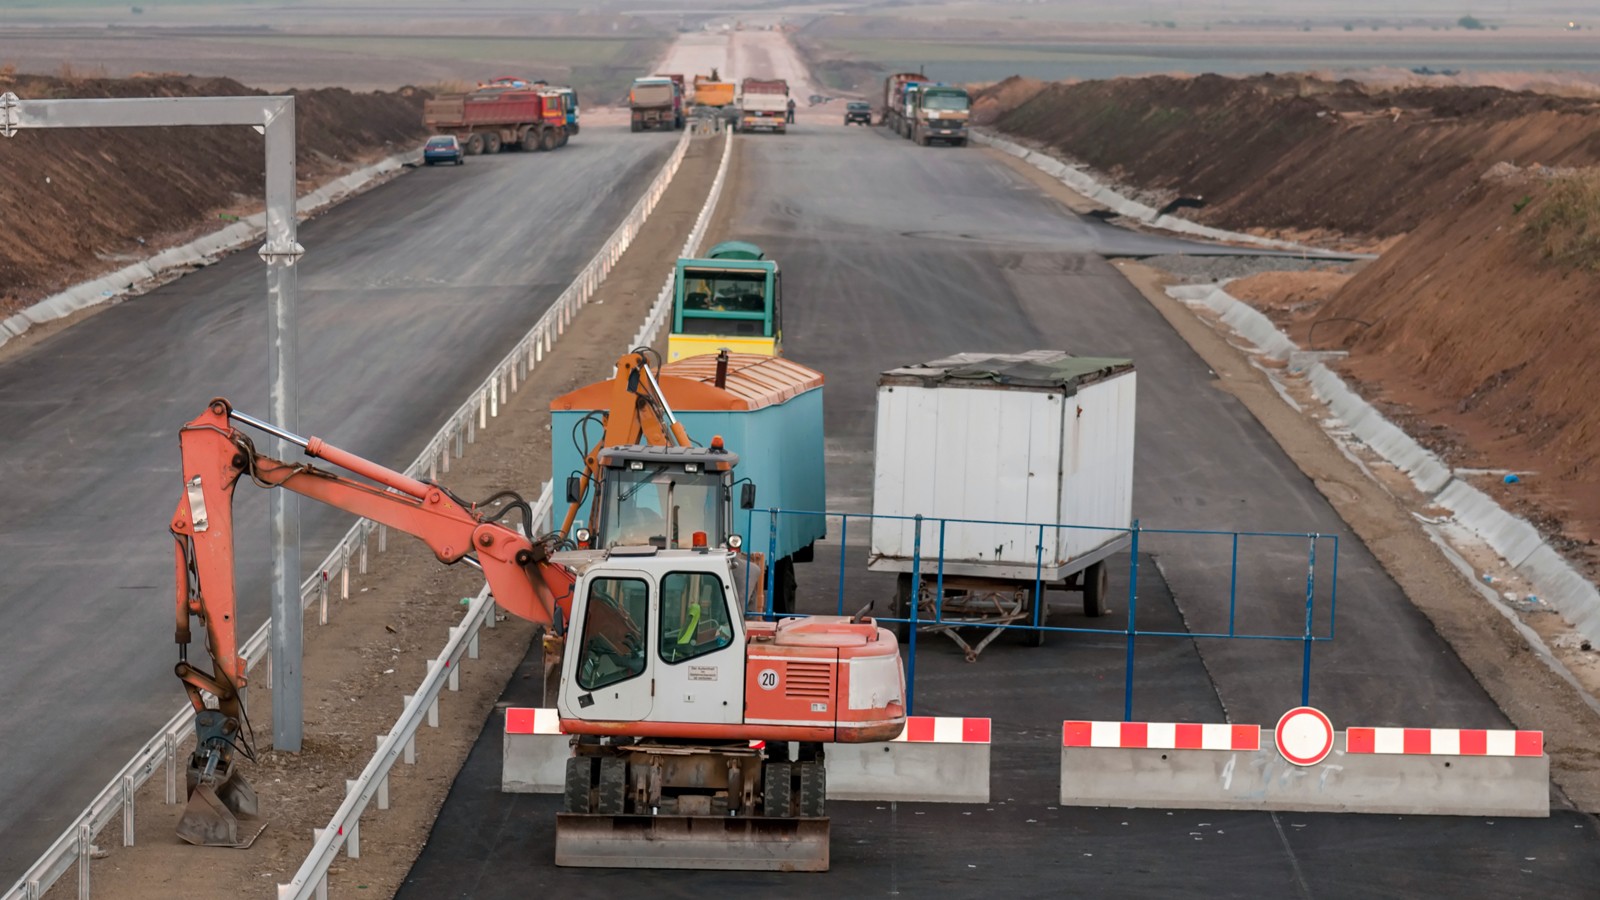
[
  {"x": 694, "y": 616},
  {"x": 614, "y": 638},
  {"x": 664, "y": 506}
]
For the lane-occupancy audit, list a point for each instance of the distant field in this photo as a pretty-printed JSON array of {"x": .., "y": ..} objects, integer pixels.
[
  {"x": 564, "y": 51},
  {"x": 967, "y": 61}
]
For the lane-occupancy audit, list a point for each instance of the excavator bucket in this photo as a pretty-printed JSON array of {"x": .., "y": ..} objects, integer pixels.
[
  {"x": 215, "y": 810},
  {"x": 737, "y": 843}
]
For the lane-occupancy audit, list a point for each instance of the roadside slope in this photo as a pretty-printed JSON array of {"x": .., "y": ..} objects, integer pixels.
[{"x": 82, "y": 203}]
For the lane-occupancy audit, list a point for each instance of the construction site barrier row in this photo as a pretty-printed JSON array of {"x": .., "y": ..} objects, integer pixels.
[
  {"x": 162, "y": 751},
  {"x": 935, "y": 759},
  {"x": 342, "y": 830}
]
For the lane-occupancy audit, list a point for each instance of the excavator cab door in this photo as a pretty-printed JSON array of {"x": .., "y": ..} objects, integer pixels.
[{"x": 607, "y": 673}]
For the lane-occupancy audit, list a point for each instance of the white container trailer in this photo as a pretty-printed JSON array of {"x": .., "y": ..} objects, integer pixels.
[{"x": 1043, "y": 438}]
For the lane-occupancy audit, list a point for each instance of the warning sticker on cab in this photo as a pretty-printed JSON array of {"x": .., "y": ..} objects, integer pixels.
[{"x": 702, "y": 673}]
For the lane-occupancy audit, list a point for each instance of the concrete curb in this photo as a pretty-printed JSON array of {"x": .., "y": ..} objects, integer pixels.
[
  {"x": 1077, "y": 178},
  {"x": 199, "y": 252},
  {"x": 1510, "y": 536},
  {"x": 1344, "y": 782}
]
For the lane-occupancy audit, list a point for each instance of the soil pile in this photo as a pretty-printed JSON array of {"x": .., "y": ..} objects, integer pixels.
[
  {"x": 993, "y": 101},
  {"x": 81, "y": 203},
  {"x": 1301, "y": 153}
]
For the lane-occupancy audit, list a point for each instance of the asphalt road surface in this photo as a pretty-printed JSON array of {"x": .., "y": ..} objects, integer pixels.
[
  {"x": 896, "y": 254},
  {"x": 408, "y": 295}
]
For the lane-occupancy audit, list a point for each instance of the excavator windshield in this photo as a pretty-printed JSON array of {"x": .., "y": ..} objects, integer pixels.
[{"x": 661, "y": 505}]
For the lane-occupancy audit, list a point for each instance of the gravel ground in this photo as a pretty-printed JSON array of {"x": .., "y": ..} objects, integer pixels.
[{"x": 1206, "y": 269}]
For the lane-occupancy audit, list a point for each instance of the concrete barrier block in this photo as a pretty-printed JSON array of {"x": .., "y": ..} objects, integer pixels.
[
  {"x": 1371, "y": 770},
  {"x": 535, "y": 752},
  {"x": 936, "y": 759}
]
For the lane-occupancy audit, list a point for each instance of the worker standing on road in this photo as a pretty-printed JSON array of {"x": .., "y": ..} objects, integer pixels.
[{"x": 790, "y": 118}]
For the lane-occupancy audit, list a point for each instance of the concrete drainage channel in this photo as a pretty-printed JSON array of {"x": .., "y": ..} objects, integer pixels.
[
  {"x": 162, "y": 752},
  {"x": 1516, "y": 541}
]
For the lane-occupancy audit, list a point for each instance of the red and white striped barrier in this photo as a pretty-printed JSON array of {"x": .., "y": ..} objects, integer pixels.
[
  {"x": 1161, "y": 735},
  {"x": 1305, "y": 765},
  {"x": 944, "y": 730},
  {"x": 535, "y": 751},
  {"x": 936, "y": 759},
  {"x": 533, "y": 721},
  {"x": 1444, "y": 741}
]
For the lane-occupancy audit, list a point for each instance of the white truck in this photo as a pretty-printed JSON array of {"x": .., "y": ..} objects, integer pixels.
[{"x": 1043, "y": 438}]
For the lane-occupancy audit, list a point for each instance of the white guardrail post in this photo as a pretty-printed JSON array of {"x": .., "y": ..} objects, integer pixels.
[{"x": 162, "y": 751}]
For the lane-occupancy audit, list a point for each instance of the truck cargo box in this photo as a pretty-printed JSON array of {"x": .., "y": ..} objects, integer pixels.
[
  {"x": 1039, "y": 437},
  {"x": 769, "y": 412}
]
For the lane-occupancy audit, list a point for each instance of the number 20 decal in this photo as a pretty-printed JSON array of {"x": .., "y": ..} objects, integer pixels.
[{"x": 768, "y": 679}]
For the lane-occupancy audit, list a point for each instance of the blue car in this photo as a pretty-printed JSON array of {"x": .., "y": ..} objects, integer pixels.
[{"x": 441, "y": 149}]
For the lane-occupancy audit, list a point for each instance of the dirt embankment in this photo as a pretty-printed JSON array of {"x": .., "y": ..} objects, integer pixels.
[
  {"x": 82, "y": 203},
  {"x": 1300, "y": 154}
]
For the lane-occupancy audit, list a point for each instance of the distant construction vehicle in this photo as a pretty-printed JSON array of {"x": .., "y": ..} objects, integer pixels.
[
  {"x": 504, "y": 114},
  {"x": 712, "y": 96},
  {"x": 925, "y": 111},
  {"x": 764, "y": 105},
  {"x": 655, "y": 102}
]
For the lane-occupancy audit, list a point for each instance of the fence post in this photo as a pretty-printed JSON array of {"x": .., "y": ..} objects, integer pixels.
[
  {"x": 1233, "y": 583},
  {"x": 1133, "y": 613},
  {"x": 1311, "y": 587},
  {"x": 844, "y": 541},
  {"x": 1038, "y": 581},
  {"x": 911, "y": 614},
  {"x": 772, "y": 557},
  {"x": 938, "y": 594}
]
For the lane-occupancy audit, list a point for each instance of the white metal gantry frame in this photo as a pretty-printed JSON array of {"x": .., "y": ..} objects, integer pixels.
[{"x": 272, "y": 116}]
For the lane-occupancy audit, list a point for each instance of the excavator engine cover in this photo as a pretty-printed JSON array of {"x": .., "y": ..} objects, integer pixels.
[{"x": 736, "y": 843}]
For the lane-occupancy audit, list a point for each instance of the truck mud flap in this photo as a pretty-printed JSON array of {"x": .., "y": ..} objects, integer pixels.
[{"x": 737, "y": 843}]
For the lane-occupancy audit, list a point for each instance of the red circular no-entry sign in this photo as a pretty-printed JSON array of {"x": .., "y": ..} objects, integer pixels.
[{"x": 1304, "y": 736}]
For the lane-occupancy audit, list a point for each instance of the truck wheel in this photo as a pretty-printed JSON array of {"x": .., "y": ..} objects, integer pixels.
[
  {"x": 572, "y": 129},
  {"x": 1096, "y": 584},
  {"x": 777, "y": 793},
  {"x": 785, "y": 587},
  {"x": 547, "y": 140},
  {"x": 959, "y": 142},
  {"x": 491, "y": 142},
  {"x": 523, "y": 135},
  {"x": 576, "y": 798},
  {"x": 613, "y": 782},
  {"x": 474, "y": 144},
  {"x": 677, "y": 123},
  {"x": 922, "y": 138},
  {"x": 563, "y": 140}
]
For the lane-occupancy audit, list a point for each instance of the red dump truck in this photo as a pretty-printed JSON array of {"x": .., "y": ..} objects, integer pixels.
[
  {"x": 764, "y": 104},
  {"x": 506, "y": 113}
]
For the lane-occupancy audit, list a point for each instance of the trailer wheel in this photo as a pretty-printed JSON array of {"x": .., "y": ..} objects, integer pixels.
[
  {"x": 474, "y": 144},
  {"x": 777, "y": 794},
  {"x": 784, "y": 587},
  {"x": 526, "y": 140},
  {"x": 613, "y": 785},
  {"x": 634, "y": 126},
  {"x": 491, "y": 142},
  {"x": 576, "y": 797},
  {"x": 1096, "y": 584},
  {"x": 902, "y": 607}
]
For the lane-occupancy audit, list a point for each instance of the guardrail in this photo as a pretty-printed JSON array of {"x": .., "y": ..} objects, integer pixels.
[
  {"x": 344, "y": 829},
  {"x": 75, "y": 845}
]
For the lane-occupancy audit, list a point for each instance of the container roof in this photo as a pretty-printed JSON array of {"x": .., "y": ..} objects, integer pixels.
[
  {"x": 736, "y": 250},
  {"x": 1049, "y": 369},
  {"x": 754, "y": 382}
]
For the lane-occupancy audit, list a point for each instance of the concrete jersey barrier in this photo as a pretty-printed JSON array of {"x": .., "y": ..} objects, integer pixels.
[{"x": 1398, "y": 771}]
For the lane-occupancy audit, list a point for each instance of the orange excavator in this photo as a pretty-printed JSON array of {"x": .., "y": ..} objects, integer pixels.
[{"x": 681, "y": 710}]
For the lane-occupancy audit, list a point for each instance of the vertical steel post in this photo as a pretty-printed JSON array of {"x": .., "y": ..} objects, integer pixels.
[
  {"x": 1233, "y": 583},
  {"x": 1333, "y": 590},
  {"x": 911, "y": 614},
  {"x": 280, "y": 253},
  {"x": 1311, "y": 583},
  {"x": 772, "y": 558},
  {"x": 1038, "y": 581},
  {"x": 1133, "y": 629},
  {"x": 938, "y": 593},
  {"x": 844, "y": 541}
]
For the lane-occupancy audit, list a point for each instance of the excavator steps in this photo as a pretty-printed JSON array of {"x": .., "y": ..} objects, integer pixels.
[{"x": 733, "y": 843}]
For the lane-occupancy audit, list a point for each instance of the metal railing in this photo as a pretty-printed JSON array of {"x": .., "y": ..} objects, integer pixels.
[
  {"x": 312, "y": 877},
  {"x": 344, "y": 828},
  {"x": 927, "y": 567},
  {"x": 74, "y": 846}
]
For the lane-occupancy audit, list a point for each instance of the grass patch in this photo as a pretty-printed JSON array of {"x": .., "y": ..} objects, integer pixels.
[
  {"x": 1566, "y": 223},
  {"x": 562, "y": 51}
]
